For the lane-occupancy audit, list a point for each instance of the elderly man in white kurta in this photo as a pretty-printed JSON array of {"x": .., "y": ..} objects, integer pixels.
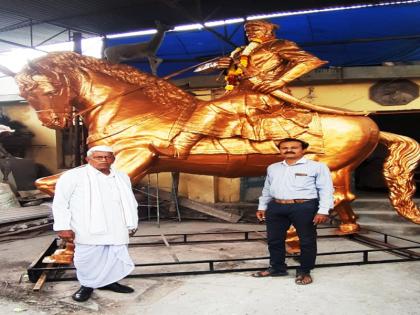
[{"x": 95, "y": 205}]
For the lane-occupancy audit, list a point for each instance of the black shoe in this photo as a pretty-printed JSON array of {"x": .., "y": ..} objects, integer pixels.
[
  {"x": 83, "y": 294},
  {"x": 270, "y": 272},
  {"x": 116, "y": 287}
]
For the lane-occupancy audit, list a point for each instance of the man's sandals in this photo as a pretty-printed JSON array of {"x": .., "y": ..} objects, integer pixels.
[
  {"x": 270, "y": 272},
  {"x": 303, "y": 279}
]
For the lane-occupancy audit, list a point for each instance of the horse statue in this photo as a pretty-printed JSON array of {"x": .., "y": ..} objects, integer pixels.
[{"x": 130, "y": 110}]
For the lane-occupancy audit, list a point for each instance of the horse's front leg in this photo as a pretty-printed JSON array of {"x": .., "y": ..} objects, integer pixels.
[
  {"x": 134, "y": 161},
  {"x": 342, "y": 199}
]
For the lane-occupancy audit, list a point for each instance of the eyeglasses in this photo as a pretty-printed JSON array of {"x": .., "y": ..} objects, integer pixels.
[{"x": 100, "y": 158}]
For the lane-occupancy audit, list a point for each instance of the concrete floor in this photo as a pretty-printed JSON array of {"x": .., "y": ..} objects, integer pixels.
[{"x": 392, "y": 288}]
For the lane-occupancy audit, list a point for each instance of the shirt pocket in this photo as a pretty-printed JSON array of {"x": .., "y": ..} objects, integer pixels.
[{"x": 303, "y": 180}]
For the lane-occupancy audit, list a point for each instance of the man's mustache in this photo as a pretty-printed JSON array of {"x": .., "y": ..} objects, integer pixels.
[{"x": 289, "y": 152}]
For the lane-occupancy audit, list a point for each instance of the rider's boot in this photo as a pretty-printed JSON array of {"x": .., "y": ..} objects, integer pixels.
[{"x": 180, "y": 147}]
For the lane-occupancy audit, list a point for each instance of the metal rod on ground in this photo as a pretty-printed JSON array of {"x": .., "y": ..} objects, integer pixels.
[{"x": 169, "y": 248}]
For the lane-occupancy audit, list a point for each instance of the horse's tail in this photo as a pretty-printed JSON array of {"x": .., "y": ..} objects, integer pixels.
[{"x": 399, "y": 166}]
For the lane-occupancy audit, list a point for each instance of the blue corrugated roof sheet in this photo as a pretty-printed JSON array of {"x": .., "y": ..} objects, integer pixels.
[{"x": 352, "y": 37}]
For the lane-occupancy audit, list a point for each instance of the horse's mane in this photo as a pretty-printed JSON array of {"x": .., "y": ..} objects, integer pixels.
[{"x": 161, "y": 91}]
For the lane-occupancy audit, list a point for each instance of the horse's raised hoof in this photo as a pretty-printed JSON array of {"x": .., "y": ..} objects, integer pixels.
[{"x": 348, "y": 228}]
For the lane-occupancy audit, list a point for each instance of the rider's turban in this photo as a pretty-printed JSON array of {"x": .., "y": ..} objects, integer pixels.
[{"x": 262, "y": 23}]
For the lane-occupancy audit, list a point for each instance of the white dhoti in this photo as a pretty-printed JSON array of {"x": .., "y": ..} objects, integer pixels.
[{"x": 100, "y": 265}]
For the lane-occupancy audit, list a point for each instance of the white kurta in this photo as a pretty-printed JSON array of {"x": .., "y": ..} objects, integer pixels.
[
  {"x": 70, "y": 213},
  {"x": 91, "y": 204}
]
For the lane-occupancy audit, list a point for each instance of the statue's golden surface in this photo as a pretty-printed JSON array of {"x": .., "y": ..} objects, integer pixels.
[{"x": 154, "y": 126}]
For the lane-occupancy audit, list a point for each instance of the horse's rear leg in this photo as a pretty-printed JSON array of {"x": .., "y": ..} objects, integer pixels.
[{"x": 343, "y": 197}]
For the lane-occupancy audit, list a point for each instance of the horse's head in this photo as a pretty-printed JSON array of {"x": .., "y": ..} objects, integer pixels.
[
  {"x": 61, "y": 81},
  {"x": 49, "y": 93}
]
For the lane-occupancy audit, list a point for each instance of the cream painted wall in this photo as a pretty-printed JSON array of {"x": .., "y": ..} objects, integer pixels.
[
  {"x": 44, "y": 141},
  {"x": 228, "y": 189},
  {"x": 201, "y": 188},
  {"x": 354, "y": 96}
]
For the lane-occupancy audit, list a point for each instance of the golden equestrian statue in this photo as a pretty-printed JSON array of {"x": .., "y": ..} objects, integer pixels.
[{"x": 154, "y": 126}]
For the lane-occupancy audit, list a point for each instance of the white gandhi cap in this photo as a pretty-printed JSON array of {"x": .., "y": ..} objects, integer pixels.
[{"x": 101, "y": 148}]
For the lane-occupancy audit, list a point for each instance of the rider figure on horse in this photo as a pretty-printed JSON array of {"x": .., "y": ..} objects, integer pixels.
[{"x": 254, "y": 71}]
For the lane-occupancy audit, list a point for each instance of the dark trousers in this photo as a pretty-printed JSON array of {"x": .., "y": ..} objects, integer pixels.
[{"x": 279, "y": 217}]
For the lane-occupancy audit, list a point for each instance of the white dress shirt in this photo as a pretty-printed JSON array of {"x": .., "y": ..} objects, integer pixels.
[
  {"x": 69, "y": 207},
  {"x": 306, "y": 179}
]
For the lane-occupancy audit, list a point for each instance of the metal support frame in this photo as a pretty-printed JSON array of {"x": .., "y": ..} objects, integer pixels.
[
  {"x": 150, "y": 195},
  {"x": 174, "y": 193},
  {"x": 400, "y": 254}
]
